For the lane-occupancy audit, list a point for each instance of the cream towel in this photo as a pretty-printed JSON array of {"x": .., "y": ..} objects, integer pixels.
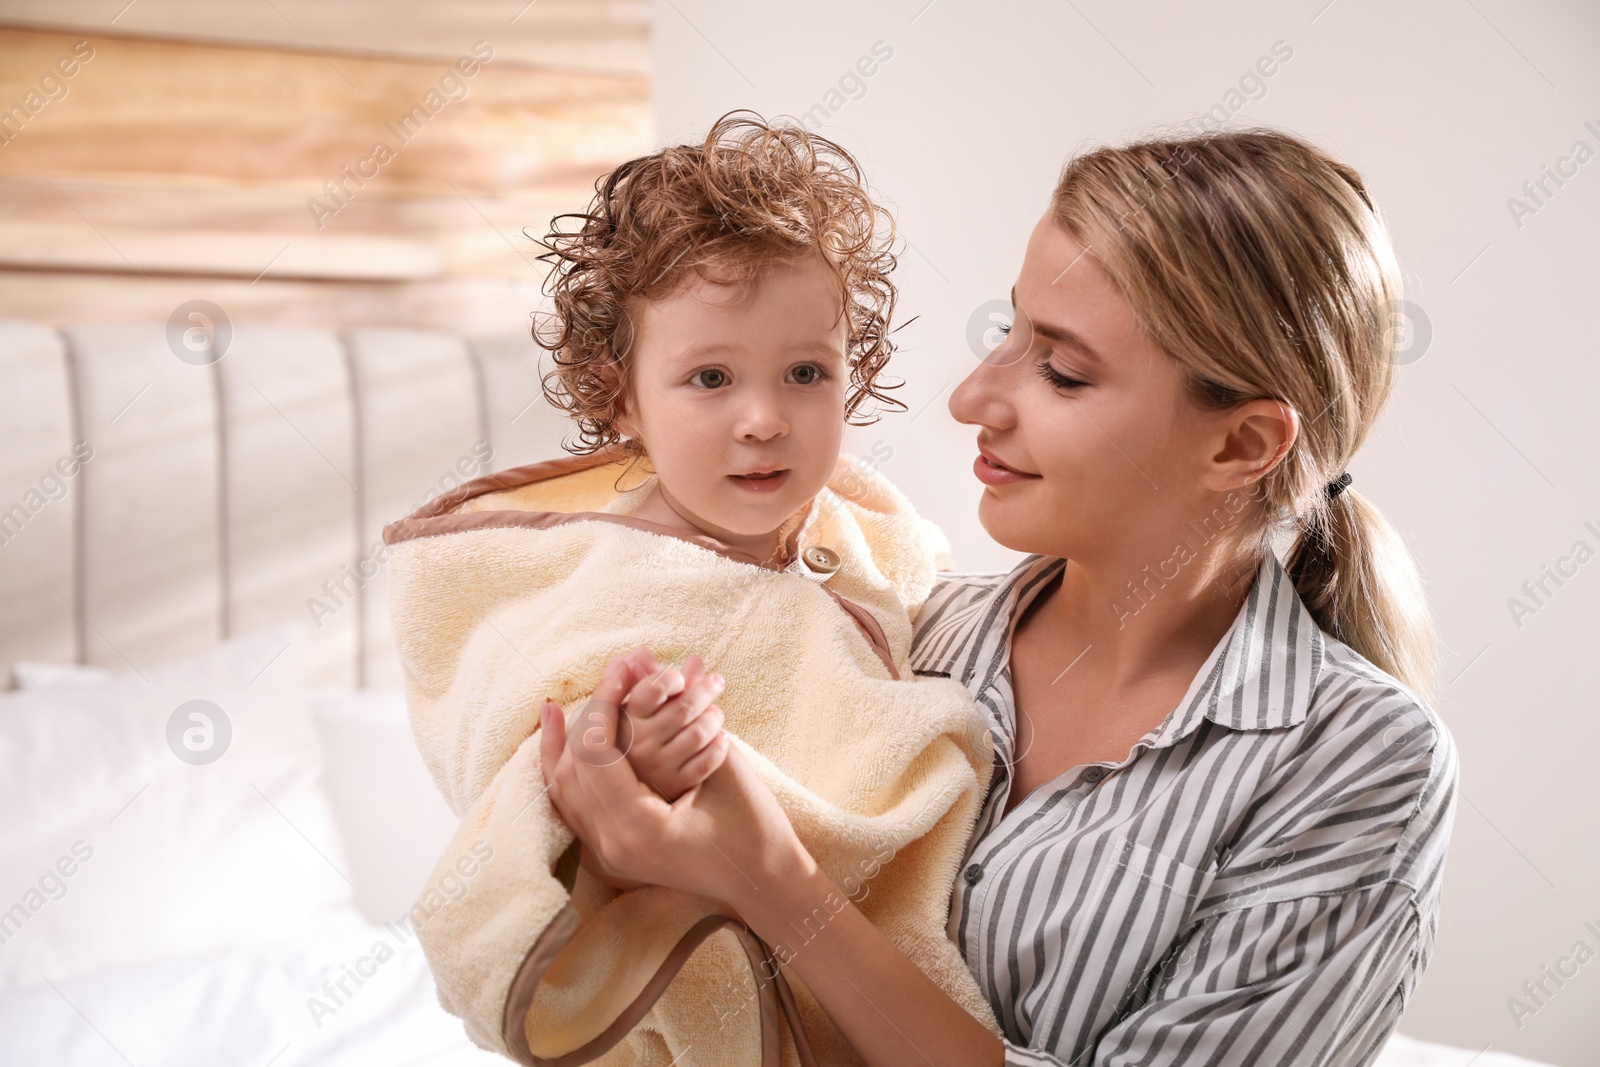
[{"x": 526, "y": 583}]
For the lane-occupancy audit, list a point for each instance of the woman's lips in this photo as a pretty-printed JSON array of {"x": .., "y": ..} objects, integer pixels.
[
  {"x": 760, "y": 483},
  {"x": 990, "y": 473}
]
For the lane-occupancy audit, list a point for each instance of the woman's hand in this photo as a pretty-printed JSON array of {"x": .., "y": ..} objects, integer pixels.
[{"x": 726, "y": 838}]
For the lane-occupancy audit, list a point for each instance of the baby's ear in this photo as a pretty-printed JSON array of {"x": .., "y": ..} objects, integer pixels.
[
  {"x": 625, "y": 426},
  {"x": 622, "y": 418}
]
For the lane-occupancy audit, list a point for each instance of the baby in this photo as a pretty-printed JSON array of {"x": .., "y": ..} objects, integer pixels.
[
  {"x": 734, "y": 384},
  {"x": 720, "y": 313}
]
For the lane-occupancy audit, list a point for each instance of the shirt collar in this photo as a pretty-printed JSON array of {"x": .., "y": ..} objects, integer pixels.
[{"x": 1259, "y": 676}]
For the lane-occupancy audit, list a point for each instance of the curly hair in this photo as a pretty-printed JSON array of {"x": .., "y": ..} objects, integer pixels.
[{"x": 751, "y": 195}]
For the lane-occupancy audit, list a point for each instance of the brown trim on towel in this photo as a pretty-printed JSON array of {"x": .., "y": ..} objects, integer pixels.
[
  {"x": 437, "y": 517},
  {"x": 520, "y": 996},
  {"x": 407, "y": 529},
  {"x": 868, "y": 625},
  {"x": 497, "y": 481},
  {"x": 773, "y": 998}
]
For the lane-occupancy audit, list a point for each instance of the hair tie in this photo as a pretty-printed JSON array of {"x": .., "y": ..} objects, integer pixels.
[{"x": 1338, "y": 485}]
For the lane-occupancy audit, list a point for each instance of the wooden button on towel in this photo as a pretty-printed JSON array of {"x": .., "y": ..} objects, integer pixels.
[{"x": 823, "y": 560}]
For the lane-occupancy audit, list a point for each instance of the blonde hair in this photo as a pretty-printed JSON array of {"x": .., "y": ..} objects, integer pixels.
[{"x": 1261, "y": 265}]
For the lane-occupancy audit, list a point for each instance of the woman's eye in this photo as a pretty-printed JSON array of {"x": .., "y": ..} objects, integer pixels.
[
  {"x": 1057, "y": 379},
  {"x": 711, "y": 378},
  {"x": 808, "y": 373}
]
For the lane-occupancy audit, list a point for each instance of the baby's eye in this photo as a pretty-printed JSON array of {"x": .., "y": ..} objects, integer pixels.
[
  {"x": 715, "y": 378},
  {"x": 809, "y": 373}
]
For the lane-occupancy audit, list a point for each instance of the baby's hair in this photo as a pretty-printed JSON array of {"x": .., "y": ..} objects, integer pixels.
[{"x": 750, "y": 196}]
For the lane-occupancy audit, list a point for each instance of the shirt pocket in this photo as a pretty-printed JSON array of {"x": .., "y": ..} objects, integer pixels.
[
  {"x": 1096, "y": 958},
  {"x": 1145, "y": 901}
]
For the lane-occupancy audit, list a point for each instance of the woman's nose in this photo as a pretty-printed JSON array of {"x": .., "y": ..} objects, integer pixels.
[{"x": 977, "y": 398}]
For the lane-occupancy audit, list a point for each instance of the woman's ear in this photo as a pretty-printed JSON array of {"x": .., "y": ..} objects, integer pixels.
[{"x": 1256, "y": 436}]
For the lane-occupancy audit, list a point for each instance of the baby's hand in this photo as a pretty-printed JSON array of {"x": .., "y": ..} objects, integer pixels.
[{"x": 678, "y": 739}]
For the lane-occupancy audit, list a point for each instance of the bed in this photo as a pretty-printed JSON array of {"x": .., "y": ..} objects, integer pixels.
[{"x": 216, "y": 819}]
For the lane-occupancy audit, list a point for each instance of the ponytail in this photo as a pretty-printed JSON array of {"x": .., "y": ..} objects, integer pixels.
[
  {"x": 1355, "y": 576},
  {"x": 1260, "y": 264}
]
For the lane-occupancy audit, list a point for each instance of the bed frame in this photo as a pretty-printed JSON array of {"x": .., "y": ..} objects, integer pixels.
[{"x": 222, "y": 495}]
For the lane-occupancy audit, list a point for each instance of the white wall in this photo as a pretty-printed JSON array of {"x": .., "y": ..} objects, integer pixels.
[{"x": 1486, "y": 457}]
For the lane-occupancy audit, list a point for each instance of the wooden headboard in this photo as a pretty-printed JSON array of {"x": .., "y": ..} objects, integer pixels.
[{"x": 151, "y": 505}]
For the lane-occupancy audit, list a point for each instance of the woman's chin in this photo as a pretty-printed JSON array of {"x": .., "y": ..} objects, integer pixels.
[
  {"x": 996, "y": 517},
  {"x": 1014, "y": 524}
]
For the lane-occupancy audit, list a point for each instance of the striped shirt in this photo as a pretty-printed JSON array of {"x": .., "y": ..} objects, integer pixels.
[{"x": 1256, "y": 882}]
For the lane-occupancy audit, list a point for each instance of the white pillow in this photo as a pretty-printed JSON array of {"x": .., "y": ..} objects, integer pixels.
[
  {"x": 393, "y": 820},
  {"x": 275, "y": 655},
  {"x": 29, "y": 674},
  {"x": 122, "y": 846}
]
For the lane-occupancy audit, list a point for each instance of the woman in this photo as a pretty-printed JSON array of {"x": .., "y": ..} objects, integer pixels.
[{"x": 1217, "y": 824}]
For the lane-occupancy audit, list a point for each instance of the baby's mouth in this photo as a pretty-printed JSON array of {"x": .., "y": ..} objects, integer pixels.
[{"x": 761, "y": 483}]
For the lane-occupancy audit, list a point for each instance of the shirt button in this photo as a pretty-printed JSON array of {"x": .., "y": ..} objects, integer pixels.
[
  {"x": 973, "y": 872},
  {"x": 1094, "y": 774},
  {"x": 820, "y": 559}
]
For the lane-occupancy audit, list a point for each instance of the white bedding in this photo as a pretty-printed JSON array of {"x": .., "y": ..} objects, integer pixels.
[
  {"x": 247, "y": 1007},
  {"x": 173, "y": 912},
  {"x": 250, "y": 1008},
  {"x": 221, "y": 905}
]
